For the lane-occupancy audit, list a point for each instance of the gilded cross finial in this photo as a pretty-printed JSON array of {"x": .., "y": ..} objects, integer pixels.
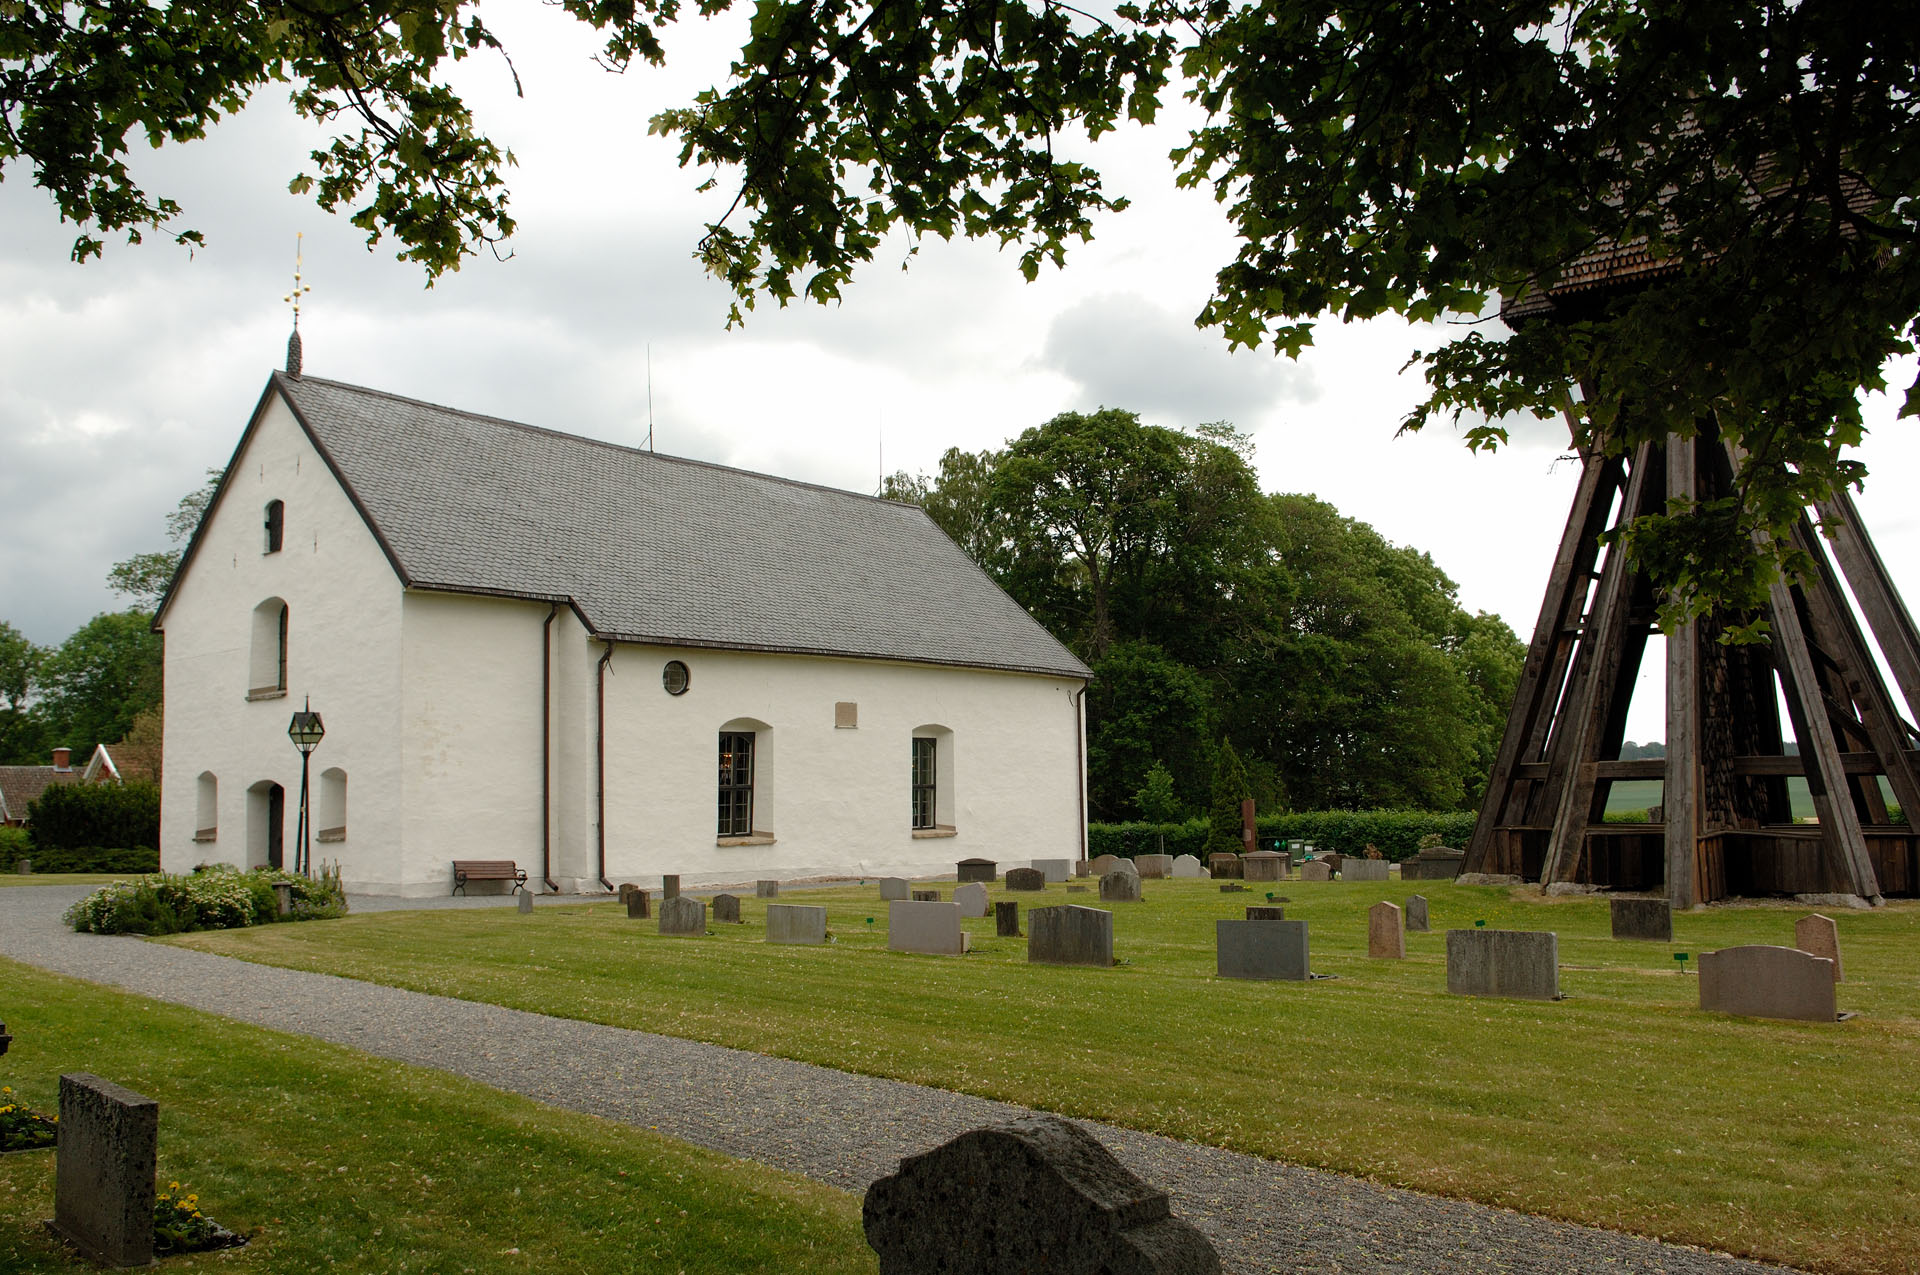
[{"x": 299, "y": 289}]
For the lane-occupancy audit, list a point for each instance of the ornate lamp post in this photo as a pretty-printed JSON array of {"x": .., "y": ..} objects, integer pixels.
[{"x": 306, "y": 731}]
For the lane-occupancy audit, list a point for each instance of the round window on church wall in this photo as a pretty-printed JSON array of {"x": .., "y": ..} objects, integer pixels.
[{"x": 674, "y": 677}]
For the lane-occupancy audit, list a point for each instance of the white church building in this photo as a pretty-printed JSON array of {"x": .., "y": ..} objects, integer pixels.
[{"x": 599, "y": 662}]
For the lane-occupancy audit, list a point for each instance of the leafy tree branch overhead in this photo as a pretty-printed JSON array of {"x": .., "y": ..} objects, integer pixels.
[{"x": 1373, "y": 157}]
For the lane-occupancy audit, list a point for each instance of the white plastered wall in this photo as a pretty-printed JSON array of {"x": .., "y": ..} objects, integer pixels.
[
  {"x": 343, "y": 603},
  {"x": 841, "y": 797}
]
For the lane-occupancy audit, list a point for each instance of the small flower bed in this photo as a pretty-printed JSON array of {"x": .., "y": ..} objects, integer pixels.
[
  {"x": 209, "y": 898},
  {"x": 21, "y": 1127},
  {"x": 180, "y": 1227}
]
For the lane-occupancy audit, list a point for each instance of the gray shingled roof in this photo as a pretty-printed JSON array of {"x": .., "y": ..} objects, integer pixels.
[{"x": 653, "y": 548}]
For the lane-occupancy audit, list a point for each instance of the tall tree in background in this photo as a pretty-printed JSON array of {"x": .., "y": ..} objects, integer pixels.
[
  {"x": 22, "y": 739},
  {"x": 146, "y": 577},
  {"x": 97, "y": 682}
]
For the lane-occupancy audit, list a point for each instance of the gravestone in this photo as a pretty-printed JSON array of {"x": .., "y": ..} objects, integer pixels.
[
  {"x": 1080, "y": 867},
  {"x": 683, "y": 916},
  {"x": 1524, "y": 964},
  {"x": 1026, "y": 879},
  {"x": 1188, "y": 867},
  {"x": 1070, "y": 935},
  {"x": 1417, "y": 914},
  {"x": 283, "y": 897},
  {"x": 1316, "y": 870},
  {"x": 726, "y": 908},
  {"x": 1435, "y": 863},
  {"x": 1386, "y": 934},
  {"x": 1761, "y": 982},
  {"x": 932, "y": 928},
  {"x": 1265, "y": 912},
  {"x": 626, "y": 890},
  {"x": 1352, "y": 869},
  {"x": 1261, "y": 950},
  {"x": 1817, "y": 935},
  {"x": 637, "y": 909},
  {"x": 1102, "y": 865},
  {"x": 1263, "y": 865},
  {"x": 103, "y": 1171},
  {"x": 976, "y": 870},
  {"x": 23, "y": 866},
  {"x": 1127, "y": 866},
  {"x": 669, "y": 887},
  {"x": 526, "y": 903},
  {"x": 795, "y": 923},
  {"x": 1154, "y": 867},
  {"x": 1224, "y": 866},
  {"x": 972, "y": 899},
  {"x": 1006, "y": 920},
  {"x": 1055, "y": 870},
  {"x": 1235, "y": 888},
  {"x": 1120, "y": 887},
  {"x": 1035, "y": 1194},
  {"x": 893, "y": 889},
  {"x": 766, "y": 889},
  {"x": 1650, "y": 919},
  {"x": 926, "y": 896}
]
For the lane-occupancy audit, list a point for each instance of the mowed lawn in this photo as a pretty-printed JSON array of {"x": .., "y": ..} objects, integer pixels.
[
  {"x": 332, "y": 1160},
  {"x": 1621, "y": 1106}
]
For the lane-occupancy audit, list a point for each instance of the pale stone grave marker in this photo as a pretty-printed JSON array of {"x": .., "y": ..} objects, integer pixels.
[
  {"x": 766, "y": 889},
  {"x": 1817, "y": 935},
  {"x": 932, "y": 928},
  {"x": 1264, "y": 865},
  {"x": 1026, "y": 879},
  {"x": 1120, "y": 887},
  {"x": 1054, "y": 870},
  {"x": 526, "y": 903},
  {"x": 1524, "y": 964},
  {"x": 1070, "y": 935},
  {"x": 1386, "y": 935},
  {"x": 1224, "y": 866},
  {"x": 1417, "y": 914},
  {"x": 1759, "y": 981},
  {"x": 103, "y": 1171},
  {"x": 893, "y": 889},
  {"x": 796, "y": 923},
  {"x": 1036, "y": 1194},
  {"x": 1649, "y": 919},
  {"x": 1316, "y": 870},
  {"x": 1363, "y": 869},
  {"x": 726, "y": 909},
  {"x": 1102, "y": 865},
  {"x": 1006, "y": 919},
  {"x": 972, "y": 899},
  {"x": 1188, "y": 867},
  {"x": 1153, "y": 867},
  {"x": 1261, "y": 950},
  {"x": 683, "y": 916}
]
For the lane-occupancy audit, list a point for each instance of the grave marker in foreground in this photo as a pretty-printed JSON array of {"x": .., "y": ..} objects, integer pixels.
[
  {"x": 1070, "y": 935},
  {"x": 972, "y": 899},
  {"x": 1524, "y": 964},
  {"x": 1026, "y": 879},
  {"x": 796, "y": 923},
  {"x": 1417, "y": 914},
  {"x": 1120, "y": 887},
  {"x": 726, "y": 908},
  {"x": 1386, "y": 936},
  {"x": 1817, "y": 935},
  {"x": 931, "y": 928},
  {"x": 683, "y": 916},
  {"x": 1006, "y": 920},
  {"x": 1261, "y": 950},
  {"x": 103, "y": 1174},
  {"x": 1759, "y": 981},
  {"x": 637, "y": 909}
]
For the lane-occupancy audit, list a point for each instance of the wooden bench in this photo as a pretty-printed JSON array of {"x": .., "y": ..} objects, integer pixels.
[{"x": 465, "y": 870}]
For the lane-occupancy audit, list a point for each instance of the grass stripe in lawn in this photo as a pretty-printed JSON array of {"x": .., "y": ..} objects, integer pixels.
[
  {"x": 335, "y": 1160},
  {"x": 1623, "y": 1106}
]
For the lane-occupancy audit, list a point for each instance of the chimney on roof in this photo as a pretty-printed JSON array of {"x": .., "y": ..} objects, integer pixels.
[{"x": 63, "y": 759}]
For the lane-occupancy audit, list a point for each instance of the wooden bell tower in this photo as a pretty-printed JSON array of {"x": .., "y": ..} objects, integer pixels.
[{"x": 1725, "y": 826}]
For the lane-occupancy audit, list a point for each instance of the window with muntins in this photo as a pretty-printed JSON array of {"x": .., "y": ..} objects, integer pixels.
[
  {"x": 924, "y": 792},
  {"x": 276, "y": 524},
  {"x": 736, "y": 783}
]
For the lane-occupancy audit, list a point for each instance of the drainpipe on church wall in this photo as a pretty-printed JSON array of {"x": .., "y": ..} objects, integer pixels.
[
  {"x": 546, "y": 750},
  {"x": 1080, "y": 756},
  {"x": 600, "y": 749}
]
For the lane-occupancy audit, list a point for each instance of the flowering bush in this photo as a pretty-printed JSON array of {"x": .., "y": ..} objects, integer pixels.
[
  {"x": 180, "y": 1227},
  {"x": 210, "y": 898},
  {"x": 21, "y": 1127}
]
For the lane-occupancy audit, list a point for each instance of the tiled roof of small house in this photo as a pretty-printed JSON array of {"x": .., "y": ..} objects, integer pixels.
[
  {"x": 22, "y": 784},
  {"x": 654, "y": 548}
]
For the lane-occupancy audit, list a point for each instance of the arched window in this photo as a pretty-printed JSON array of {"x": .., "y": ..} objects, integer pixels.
[
  {"x": 331, "y": 819},
  {"x": 206, "y": 808},
  {"x": 276, "y": 524},
  {"x": 267, "y": 666},
  {"x": 745, "y": 782},
  {"x": 931, "y": 781}
]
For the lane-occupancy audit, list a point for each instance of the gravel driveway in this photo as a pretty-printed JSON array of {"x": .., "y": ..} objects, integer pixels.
[{"x": 832, "y": 1126}]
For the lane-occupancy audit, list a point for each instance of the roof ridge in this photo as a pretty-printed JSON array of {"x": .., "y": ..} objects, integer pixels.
[{"x": 549, "y": 432}]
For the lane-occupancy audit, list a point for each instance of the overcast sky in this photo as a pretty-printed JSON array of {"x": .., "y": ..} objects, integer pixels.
[{"x": 124, "y": 380}]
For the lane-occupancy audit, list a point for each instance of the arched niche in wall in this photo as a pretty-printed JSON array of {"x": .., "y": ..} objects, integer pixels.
[
  {"x": 267, "y": 656},
  {"x": 746, "y": 786}
]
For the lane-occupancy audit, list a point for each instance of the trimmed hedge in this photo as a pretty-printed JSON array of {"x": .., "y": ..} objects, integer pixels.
[
  {"x": 212, "y": 898},
  {"x": 92, "y": 859},
  {"x": 74, "y": 816},
  {"x": 1394, "y": 833}
]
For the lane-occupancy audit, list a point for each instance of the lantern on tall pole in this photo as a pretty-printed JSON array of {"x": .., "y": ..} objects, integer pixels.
[{"x": 306, "y": 731}]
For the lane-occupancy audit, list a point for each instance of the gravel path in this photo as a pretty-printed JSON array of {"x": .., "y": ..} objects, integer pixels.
[{"x": 838, "y": 1128}]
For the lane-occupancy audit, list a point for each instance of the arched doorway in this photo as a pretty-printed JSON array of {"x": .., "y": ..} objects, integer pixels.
[{"x": 266, "y": 825}]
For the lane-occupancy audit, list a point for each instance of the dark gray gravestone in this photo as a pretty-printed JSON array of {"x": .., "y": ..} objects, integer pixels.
[
  {"x": 793, "y": 923},
  {"x": 1035, "y": 1194},
  {"x": 1120, "y": 887},
  {"x": 670, "y": 887},
  {"x": 766, "y": 889},
  {"x": 1265, "y": 912},
  {"x": 726, "y": 908},
  {"x": 1518, "y": 963},
  {"x": 1070, "y": 935},
  {"x": 926, "y": 896},
  {"x": 1006, "y": 920},
  {"x": 637, "y": 901},
  {"x": 1417, "y": 914},
  {"x": 526, "y": 903},
  {"x": 1650, "y": 919},
  {"x": 1026, "y": 879},
  {"x": 976, "y": 870},
  {"x": 681, "y": 915},
  {"x": 1261, "y": 949},
  {"x": 103, "y": 1174}
]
